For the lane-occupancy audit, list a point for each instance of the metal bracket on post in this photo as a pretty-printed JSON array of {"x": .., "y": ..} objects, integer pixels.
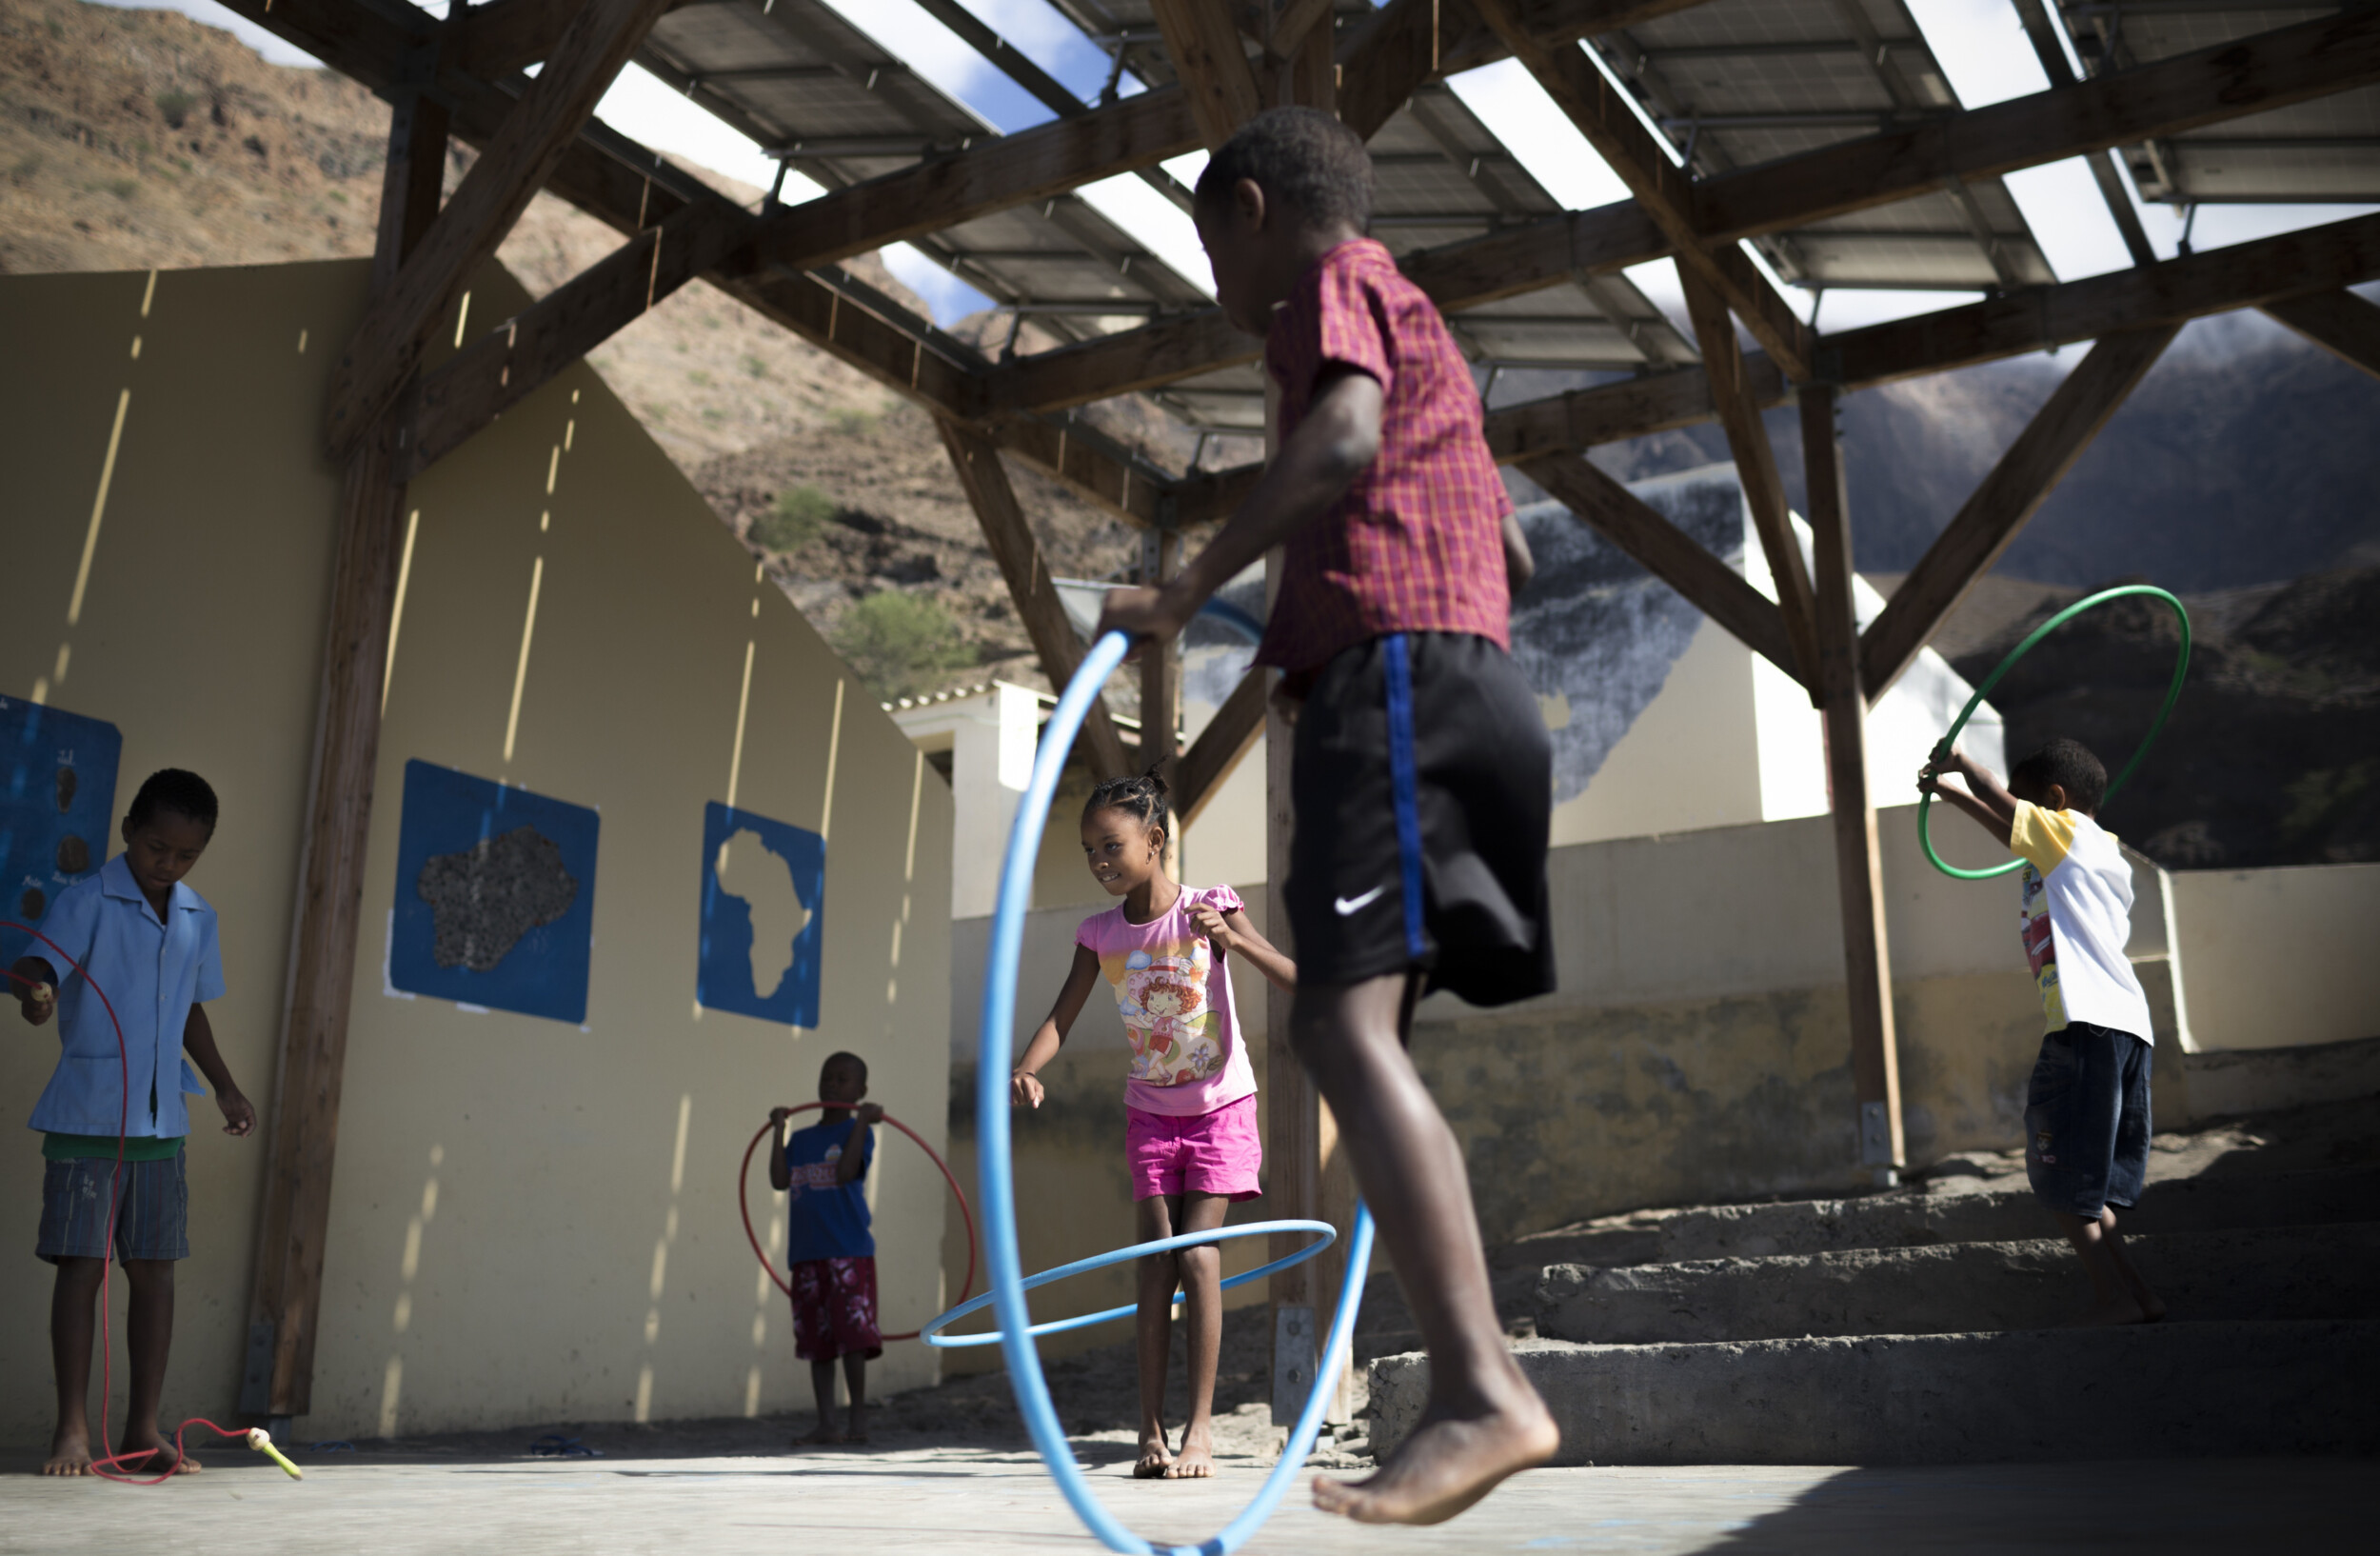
[
  {"x": 1875, "y": 1143},
  {"x": 256, "y": 1377},
  {"x": 1294, "y": 1359}
]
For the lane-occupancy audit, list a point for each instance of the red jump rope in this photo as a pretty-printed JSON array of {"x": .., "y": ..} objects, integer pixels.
[{"x": 255, "y": 1437}]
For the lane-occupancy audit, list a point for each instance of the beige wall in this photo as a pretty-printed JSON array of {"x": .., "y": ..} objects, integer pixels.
[
  {"x": 1698, "y": 1048},
  {"x": 2276, "y": 958},
  {"x": 530, "y": 1221}
]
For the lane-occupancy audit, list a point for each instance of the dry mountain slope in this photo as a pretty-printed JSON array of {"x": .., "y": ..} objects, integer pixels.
[{"x": 138, "y": 139}]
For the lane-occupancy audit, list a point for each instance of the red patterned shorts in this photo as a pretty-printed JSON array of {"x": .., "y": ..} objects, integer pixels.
[{"x": 834, "y": 1309}]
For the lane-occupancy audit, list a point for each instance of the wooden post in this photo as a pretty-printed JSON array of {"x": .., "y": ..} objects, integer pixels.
[
  {"x": 278, "y": 1380},
  {"x": 1160, "y": 664},
  {"x": 1293, "y": 1187},
  {"x": 1859, "y": 865},
  {"x": 1310, "y": 1177}
]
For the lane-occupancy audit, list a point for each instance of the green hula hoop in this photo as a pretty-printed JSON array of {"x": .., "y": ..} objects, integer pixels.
[{"x": 2173, "y": 694}]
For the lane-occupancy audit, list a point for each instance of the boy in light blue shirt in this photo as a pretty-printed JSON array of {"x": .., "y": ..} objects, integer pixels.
[{"x": 148, "y": 943}]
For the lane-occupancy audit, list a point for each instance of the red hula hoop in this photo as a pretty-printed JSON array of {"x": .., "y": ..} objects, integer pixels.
[{"x": 743, "y": 1178}]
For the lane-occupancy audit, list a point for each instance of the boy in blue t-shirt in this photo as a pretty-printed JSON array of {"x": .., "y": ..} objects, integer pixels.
[
  {"x": 830, "y": 1252},
  {"x": 149, "y": 942}
]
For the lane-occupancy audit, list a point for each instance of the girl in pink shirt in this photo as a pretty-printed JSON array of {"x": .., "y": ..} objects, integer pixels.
[{"x": 1190, "y": 1093}]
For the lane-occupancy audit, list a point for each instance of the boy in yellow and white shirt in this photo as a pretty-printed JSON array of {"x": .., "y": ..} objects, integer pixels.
[{"x": 2087, "y": 1109}]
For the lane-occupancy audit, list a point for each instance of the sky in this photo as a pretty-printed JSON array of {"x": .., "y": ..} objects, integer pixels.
[{"x": 1980, "y": 45}]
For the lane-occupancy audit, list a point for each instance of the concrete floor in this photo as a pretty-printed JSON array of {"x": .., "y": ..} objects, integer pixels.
[{"x": 979, "y": 1501}]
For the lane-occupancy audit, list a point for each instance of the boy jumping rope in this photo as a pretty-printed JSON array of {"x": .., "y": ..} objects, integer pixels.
[
  {"x": 2087, "y": 1107},
  {"x": 149, "y": 941},
  {"x": 830, "y": 1250},
  {"x": 1422, "y": 785}
]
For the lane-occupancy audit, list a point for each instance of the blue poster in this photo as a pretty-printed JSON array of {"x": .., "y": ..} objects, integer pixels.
[
  {"x": 57, "y": 809},
  {"x": 763, "y": 890},
  {"x": 495, "y": 895}
]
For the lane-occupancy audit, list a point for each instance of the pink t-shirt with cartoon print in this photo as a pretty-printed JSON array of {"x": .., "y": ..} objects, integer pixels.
[{"x": 1174, "y": 994}]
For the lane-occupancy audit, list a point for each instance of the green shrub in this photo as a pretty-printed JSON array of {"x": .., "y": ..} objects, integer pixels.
[
  {"x": 856, "y": 423},
  {"x": 26, "y": 166},
  {"x": 800, "y": 513},
  {"x": 174, "y": 106},
  {"x": 755, "y": 367},
  {"x": 123, "y": 189},
  {"x": 901, "y": 645},
  {"x": 700, "y": 377}
]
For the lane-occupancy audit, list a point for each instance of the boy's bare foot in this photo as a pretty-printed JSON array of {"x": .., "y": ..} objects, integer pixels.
[
  {"x": 1155, "y": 1459},
  {"x": 817, "y": 1436},
  {"x": 855, "y": 1428},
  {"x": 1445, "y": 1466},
  {"x": 1195, "y": 1462},
  {"x": 69, "y": 1452},
  {"x": 2108, "y": 1313},
  {"x": 152, "y": 1456}
]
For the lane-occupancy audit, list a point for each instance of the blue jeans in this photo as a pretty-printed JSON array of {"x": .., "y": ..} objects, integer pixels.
[{"x": 2087, "y": 1121}]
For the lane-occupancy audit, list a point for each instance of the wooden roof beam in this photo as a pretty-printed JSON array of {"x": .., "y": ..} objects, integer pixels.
[
  {"x": 2247, "y": 75},
  {"x": 632, "y": 189},
  {"x": 976, "y": 460},
  {"x": 492, "y": 40},
  {"x": 2014, "y": 490},
  {"x": 1228, "y": 737},
  {"x": 1005, "y": 170},
  {"x": 1733, "y": 396},
  {"x": 1203, "y": 44},
  {"x": 1669, "y": 554},
  {"x": 387, "y": 348},
  {"x": 2339, "y": 322},
  {"x": 1666, "y": 190},
  {"x": 2268, "y": 271},
  {"x": 1838, "y": 178},
  {"x": 1520, "y": 259}
]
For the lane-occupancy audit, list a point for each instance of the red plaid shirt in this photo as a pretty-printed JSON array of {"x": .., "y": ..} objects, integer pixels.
[{"x": 1416, "y": 544}]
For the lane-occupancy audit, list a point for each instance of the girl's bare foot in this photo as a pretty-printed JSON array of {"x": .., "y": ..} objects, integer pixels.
[
  {"x": 1445, "y": 1466},
  {"x": 1195, "y": 1462},
  {"x": 69, "y": 1452},
  {"x": 819, "y": 1436},
  {"x": 1155, "y": 1460}
]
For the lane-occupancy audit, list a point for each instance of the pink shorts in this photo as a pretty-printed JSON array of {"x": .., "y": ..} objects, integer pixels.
[{"x": 1200, "y": 1153}]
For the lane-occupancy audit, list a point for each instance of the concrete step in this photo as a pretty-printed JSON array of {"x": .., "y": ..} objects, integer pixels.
[
  {"x": 2300, "y": 1273},
  {"x": 2045, "y": 1395},
  {"x": 1914, "y": 1220}
]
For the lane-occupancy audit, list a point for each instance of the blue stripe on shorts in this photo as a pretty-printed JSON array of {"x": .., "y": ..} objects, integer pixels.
[{"x": 152, "y": 1209}]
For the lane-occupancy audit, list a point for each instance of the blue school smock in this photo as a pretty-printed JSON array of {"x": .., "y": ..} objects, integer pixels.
[{"x": 154, "y": 972}]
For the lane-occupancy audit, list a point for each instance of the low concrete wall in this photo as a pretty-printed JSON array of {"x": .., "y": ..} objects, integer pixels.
[
  {"x": 2280, "y": 958},
  {"x": 1698, "y": 1049}
]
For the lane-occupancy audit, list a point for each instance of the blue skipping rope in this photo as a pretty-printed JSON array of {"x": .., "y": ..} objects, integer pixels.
[{"x": 999, "y": 1188}]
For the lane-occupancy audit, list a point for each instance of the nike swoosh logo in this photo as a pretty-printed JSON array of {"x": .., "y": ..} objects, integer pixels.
[{"x": 1348, "y": 905}]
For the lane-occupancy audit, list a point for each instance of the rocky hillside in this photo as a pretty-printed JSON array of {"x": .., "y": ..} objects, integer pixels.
[{"x": 131, "y": 139}]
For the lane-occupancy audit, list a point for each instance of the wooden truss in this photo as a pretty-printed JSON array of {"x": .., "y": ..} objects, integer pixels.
[{"x": 388, "y": 421}]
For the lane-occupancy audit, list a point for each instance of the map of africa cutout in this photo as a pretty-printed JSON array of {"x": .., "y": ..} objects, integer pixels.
[{"x": 763, "y": 885}]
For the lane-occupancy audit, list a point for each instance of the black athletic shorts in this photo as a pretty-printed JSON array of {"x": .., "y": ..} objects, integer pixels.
[{"x": 1423, "y": 791}]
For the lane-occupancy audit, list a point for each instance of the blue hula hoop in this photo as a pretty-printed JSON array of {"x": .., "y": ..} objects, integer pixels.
[
  {"x": 997, "y": 1043},
  {"x": 932, "y": 1334}
]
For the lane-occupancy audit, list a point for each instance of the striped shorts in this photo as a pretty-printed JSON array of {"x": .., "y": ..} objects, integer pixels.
[{"x": 152, "y": 1209}]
